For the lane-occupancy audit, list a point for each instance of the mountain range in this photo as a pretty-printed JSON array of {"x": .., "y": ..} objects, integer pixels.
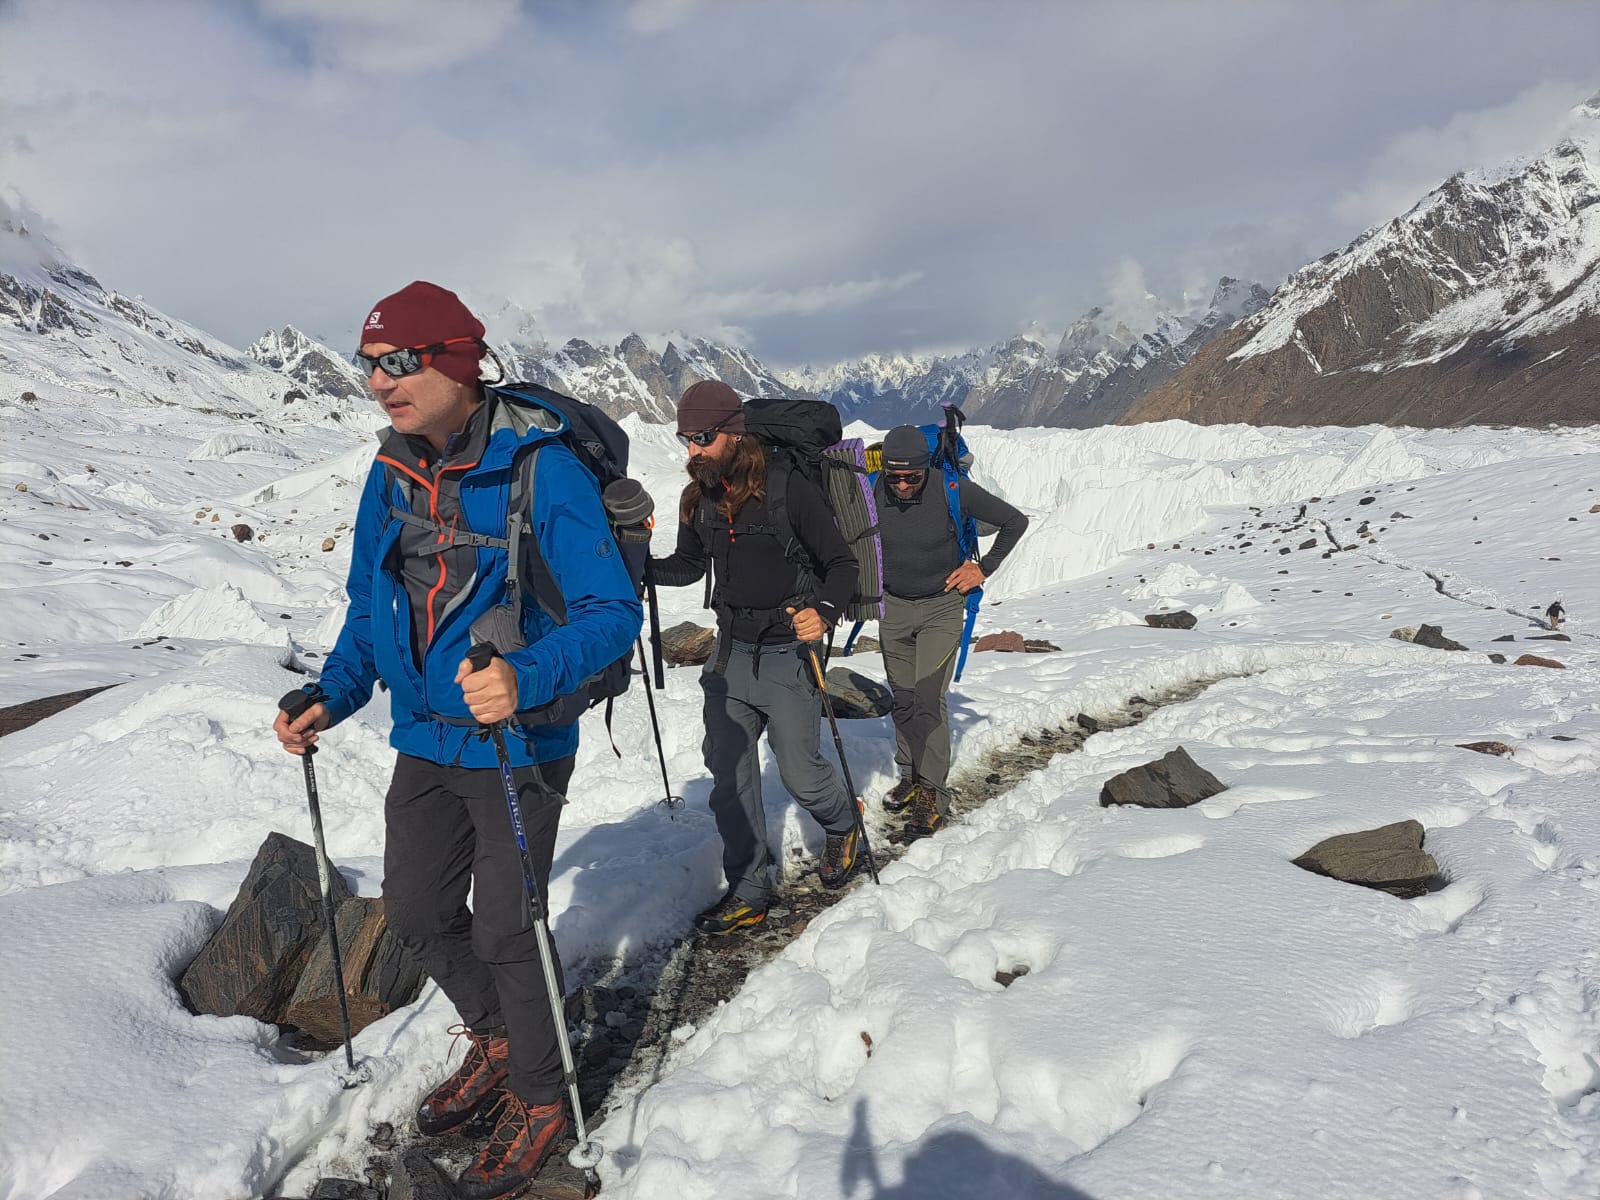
[{"x": 1480, "y": 304}]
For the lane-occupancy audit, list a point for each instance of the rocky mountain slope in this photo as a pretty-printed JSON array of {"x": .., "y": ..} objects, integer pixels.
[
  {"x": 1481, "y": 304},
  {"x": 1090, "y": 376}
]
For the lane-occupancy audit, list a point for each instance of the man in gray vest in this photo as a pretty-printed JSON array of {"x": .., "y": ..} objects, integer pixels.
[{"x": 925, "y": 581}]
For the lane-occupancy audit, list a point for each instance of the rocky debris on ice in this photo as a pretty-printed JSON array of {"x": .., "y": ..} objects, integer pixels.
[{"x": 1173, "y": 781}]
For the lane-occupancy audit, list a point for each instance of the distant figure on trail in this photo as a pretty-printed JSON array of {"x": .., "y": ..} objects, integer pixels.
[
  {"x": 418, "y": 583},
  {"x": 924, "y": 585},
  {"x": 759, "y": 677},
  {"x": 1553, "y": 615}
]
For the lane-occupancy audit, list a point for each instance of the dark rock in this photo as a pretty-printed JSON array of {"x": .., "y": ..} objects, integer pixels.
[
  {"x": 1499, "y": 749},
  {"x": 379, "y": 976},
  {"x": 1178, "y": 620},
  {"x": 1533, "y": 660},
  {"x": 342, "y": 1189},
  {"x": 1286, "y": 550},
  {"x": 242, "y": 532},
  {"x": 1308, "y": 544},
  {"x": 1433, "y": 636},
  {"x": 857, "y": 697},
  {"x": 1548, "y": 637},
  {"x": 1390, "y": 859},
  {"x": 687, "y": 644},
  {"x": 1173, "y": 781},
  {"x": 419, "y": 1179},
  {"x": 1007, "y": 642},
  {"x": 251, "y": 965},
  {"x": 1039, "y": 646},
  {"x": 1497, "y": 658},
  {"x": 1506, "y": 637},
  {"x": 1088, "y": 723},
  {"x": 1366, "y": 500},
  {"x": 1007, "y": 978},
  {"x": 863, "y": 645},
  {"x": 1399, "y": 516}
]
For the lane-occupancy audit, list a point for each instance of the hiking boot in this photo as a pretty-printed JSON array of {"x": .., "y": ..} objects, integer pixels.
[
  {"x": 900, "y": 795},
  {"x": 475, "y": 1083},
  {"x": 728, "y": 914},
  {"x": 840, "y": 858},
  {"x": 926, "y": 817},
  {"x": 522, "y": 1140}
]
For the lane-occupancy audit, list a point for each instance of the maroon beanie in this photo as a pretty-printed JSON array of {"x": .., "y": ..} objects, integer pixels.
[
  {"x": 710, "y": 404},
  {"x": 424, "y": 314}
]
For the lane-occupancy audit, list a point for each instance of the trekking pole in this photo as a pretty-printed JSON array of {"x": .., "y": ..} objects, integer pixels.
[
  {"x": 838, "y": 744},
  {"x": 295, "y": 705},
  {"x": 586, "y": 1155},
  {"x": 669, "y": 798}
]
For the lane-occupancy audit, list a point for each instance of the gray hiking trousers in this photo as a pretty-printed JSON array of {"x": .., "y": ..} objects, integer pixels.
[
  {"x": 776, "y": 694},
  {"x": 920, "y": 642}
]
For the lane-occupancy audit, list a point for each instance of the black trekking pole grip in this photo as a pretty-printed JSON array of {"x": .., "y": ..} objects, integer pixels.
[
  {"x": 294, "y": 704},
  {"x": 838, "y": 744},
  {"x": 481, "y": 655}
]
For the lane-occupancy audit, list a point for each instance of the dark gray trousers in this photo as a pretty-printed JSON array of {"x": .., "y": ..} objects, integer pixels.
[
  {"x": 779, "y": 696},
  {"x": 920, "y": 639},
  {"x": 447, "y": 828}
]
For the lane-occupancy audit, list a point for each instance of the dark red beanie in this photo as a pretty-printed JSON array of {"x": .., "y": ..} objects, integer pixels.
[
  {"x": 710, "y": 404},
  {"x": 424, "y": 314}
]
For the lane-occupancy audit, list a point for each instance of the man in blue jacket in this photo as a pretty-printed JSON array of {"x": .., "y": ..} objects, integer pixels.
[{"x": 418, "y": 582}]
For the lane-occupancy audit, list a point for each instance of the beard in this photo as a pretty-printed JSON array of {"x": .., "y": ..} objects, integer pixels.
[{"x": 707, "y": 471}]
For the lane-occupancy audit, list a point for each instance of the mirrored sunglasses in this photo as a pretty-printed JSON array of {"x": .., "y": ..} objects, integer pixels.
[
  {"x": 904, "y": 476},
  {"x": 706, "y": 436},
  {"x": 407, "y": 360}
]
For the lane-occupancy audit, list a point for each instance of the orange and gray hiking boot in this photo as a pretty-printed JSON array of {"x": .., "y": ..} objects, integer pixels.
[
  {"x": 901, "y": 794},
  {"x": 927, "y": 814},
  {"x": 523, "y": 1138},
  {"x": 476, "y": 1082},
  {"x": 841, "y": 858},
  {"x": 728, "y": 914}
]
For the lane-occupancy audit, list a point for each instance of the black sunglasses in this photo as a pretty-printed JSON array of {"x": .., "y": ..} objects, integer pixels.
[
  {"x": 407, "y": 360},
  {"x": 706, "y": 436},
  {"x": 904, "y": 476}
]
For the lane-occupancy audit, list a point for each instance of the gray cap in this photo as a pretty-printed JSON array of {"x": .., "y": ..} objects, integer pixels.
[{"x": 905, "y": 449}]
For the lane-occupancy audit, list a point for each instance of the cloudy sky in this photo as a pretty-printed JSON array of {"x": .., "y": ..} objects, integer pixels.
[{"x": 814, "y": 180}]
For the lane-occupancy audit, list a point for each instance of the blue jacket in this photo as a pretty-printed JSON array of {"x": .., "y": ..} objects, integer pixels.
[{"x": 603, "y": 612}]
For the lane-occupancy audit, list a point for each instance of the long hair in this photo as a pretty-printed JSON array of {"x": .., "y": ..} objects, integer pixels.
[{"x": 745, "y": 477}]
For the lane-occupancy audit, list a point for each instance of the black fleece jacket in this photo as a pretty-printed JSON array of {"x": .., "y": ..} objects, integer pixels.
[{"x": 754, "y": 580}]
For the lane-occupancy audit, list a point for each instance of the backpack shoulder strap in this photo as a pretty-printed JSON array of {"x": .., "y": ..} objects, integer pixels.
[{"x": 525, "y": 562}]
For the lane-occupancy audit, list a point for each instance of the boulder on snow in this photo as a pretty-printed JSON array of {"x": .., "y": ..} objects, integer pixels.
[
  {"x": 1548, "y": 637},
  {"x": 1087, "y": 723},
  {"x": 1500, "y": 749},
  {"x": 242, "y": 532},
  {"x": 1533, "y": 660},
  {"x": 854, "y": 696},
  {"x": 1433, "y": 637},
  {"x": 379, "y": 976},
  {"x": 1389, "y": 858},
  {"x": 1404, "y": 633},
  {"x": 1497, "y": 658},
  {"x": 1008, "y": 642},
  {"x": 863, "y": 645},
  {"x": 1182, "y": 619},
  {"x": 253, "y": 962},
  {"x": 1172, "y": 781},
  {"x": 687, "y": 644},
  {"x": 1040, "y": 646}
]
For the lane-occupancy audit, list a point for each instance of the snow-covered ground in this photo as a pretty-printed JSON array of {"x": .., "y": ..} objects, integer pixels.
[{"x": 1198, "y": 1018}]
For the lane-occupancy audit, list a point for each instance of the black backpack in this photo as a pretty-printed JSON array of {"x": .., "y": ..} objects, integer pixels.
[
  {"x": 600, "y": 444},
  {"x": 807, "y": 437}
]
